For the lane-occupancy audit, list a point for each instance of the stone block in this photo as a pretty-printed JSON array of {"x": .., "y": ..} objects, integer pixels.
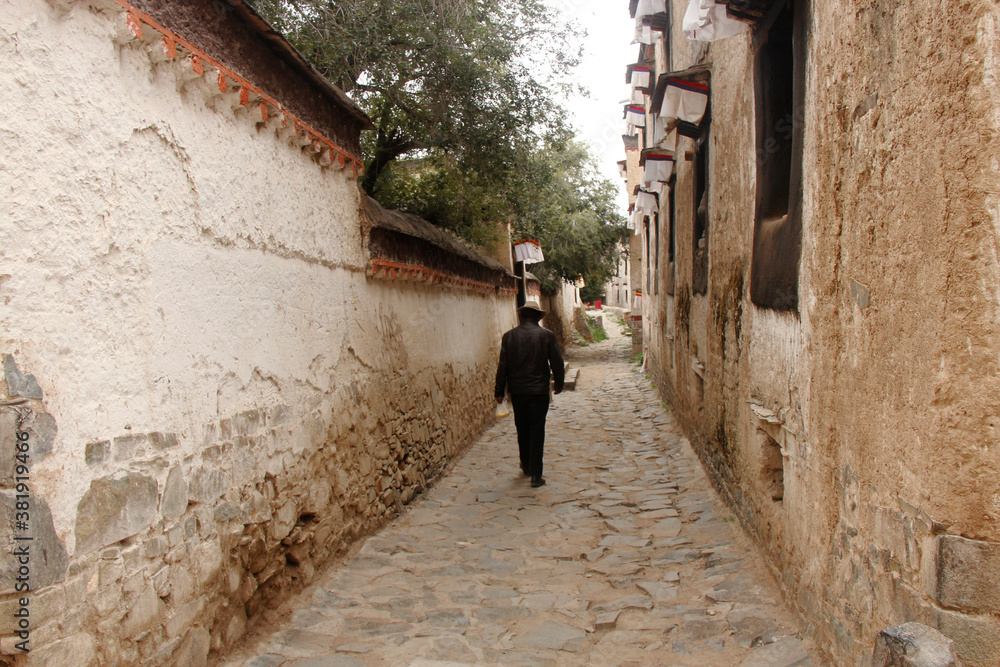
[
  {"x": 8, "y": 445},
  {"x": 207, "y": 485},
  {"x": 913, "y": 645},
  {"x": 967, "y": 574},
  {"x": 208, "y": 556},
  {"x": 193, "y": 651},
  {"x": 977, "y": 638},
  {"x": 162, "y": 440},
  {"x": 115, "y": 507},
  {"x": 48, "y": 560},
  {"x": 134, "y": 582},
  {"x": 19, "y": 384},
  {"x": 785, "y": 652},
  {"x": 43, "y": 431},
  {"x": 111, "y": 571},
  {"x": 144, "y": 612},
  {"x": 127, "y": 447},
  {"x": 183, "y": 618},
  {"x": 226, "y": 511},
  {"x": 97, "y": 453},
  {"x": 8, "y": 622},
  {"x": 182, "y": 583},
  {"x": 236, "y": 627},
  {"x": 283, "y": 521},
  {"x": 156, "y": 546},
  {"x": 77, "y": 650}
]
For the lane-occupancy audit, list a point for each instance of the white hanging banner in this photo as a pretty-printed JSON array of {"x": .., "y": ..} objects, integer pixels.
[
  {"x": 661, "y": 137},
  {"x": 686, "y": 100},
  {"x": 645, "y": 34},
  {"x": 636, "y": 115},
  {"x": 658, "y": 168},
  {"x": 638, "y": 97},
  {"x": 634, "y": 218},
  {"x": 529, "y": 252},
  {"x": 707, "y": 21},
  {"x": 646, "y": 203},
  {"x": 640, "y": 77},
  {"x": 650, "y": 7}
]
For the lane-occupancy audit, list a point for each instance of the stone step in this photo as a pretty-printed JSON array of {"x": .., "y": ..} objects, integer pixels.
[{"x": 572, "y": 374}]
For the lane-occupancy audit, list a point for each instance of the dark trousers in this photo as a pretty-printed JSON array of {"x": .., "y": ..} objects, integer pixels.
[{"x": 529, "y": 418}]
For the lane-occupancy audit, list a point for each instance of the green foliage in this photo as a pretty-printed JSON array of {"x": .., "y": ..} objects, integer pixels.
[
  {"x": 569, "y": 208},
  {"x": 464, "y": 95},
  {"x": 597, "y": 332},
  {"x": 472, "y": 79}
]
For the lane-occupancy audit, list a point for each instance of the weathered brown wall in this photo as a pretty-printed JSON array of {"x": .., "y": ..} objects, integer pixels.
[{"x": 882, "y": 389}]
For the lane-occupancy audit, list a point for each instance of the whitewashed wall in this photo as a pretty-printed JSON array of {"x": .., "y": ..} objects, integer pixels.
[{"x": 173, "y": 268}]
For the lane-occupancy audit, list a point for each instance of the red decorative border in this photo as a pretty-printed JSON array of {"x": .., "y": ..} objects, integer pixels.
[
  {"x": 197, "y": 57},
  {"x": 389, "y": 270}
]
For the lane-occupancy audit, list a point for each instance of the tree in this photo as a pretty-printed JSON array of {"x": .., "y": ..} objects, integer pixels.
[
  {"x": 470, "y": 79},
  {"x": 469, "y": 131},
  {"x": 568, "y": 207}
]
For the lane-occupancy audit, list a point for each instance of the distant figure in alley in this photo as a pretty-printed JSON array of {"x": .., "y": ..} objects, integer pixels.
[{"x": 527, "y": 352}]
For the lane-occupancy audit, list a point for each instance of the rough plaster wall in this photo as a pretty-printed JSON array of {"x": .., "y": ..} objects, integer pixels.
[
  {"x": 188, "y": 290},
  {"x": 915, "y": 330},
  {"x": 885, "y": 392},
  {"x": 902, "y": 286}
]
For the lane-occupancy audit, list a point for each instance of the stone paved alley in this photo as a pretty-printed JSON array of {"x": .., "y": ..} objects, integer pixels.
[{"x": 626, "y": 557}]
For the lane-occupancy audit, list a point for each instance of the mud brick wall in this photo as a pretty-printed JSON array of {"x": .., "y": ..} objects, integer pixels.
[
  {"x": 855, "y": 436},
  {"x": 217, "y": 396}
]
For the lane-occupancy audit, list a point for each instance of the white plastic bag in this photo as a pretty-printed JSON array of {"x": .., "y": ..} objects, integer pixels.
[{"x": 503, "y": 409}]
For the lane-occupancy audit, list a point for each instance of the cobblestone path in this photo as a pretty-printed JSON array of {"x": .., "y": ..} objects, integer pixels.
[{"x": 626, "y": 557}]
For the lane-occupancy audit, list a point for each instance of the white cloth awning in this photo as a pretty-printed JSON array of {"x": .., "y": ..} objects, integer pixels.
[
  {"x": 663, "y": 138},
  {"x": 641, "y": 77},
  {"x": 636, "y": 115},
  {"x": 650, "y": 7},
  {"x": 644, "y": 34},
  {"x": 707, "y": 21},
  {"x": 658, "y": 168},
  {"x": 686, "y": 100},
  {"x": 646, "y": 203},
  {"x": 529, "y": 252}
]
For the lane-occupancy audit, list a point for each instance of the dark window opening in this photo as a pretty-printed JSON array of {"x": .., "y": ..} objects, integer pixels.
[
  {"x": 671, "y": 235},
  {"x": 774, "y": 467},
  {"x": 699, "y": 277},
  {"x": 656, "y": 261},
  {"x": 649, "y": 281},
  {"x": 779, "y": 89}
]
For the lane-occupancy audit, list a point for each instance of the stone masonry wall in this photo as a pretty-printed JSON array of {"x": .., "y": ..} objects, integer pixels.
[
  {"x": 874, "y": 404},
  {"x": 216, "y": 398}
]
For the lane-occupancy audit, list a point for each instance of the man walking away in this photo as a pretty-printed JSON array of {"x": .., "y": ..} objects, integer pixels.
[{"x": 527, "y": 352}]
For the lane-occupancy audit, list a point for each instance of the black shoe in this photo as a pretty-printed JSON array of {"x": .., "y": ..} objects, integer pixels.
[
  {"x": 537, "y": 481},
  {"x": 524, "y": 471}
]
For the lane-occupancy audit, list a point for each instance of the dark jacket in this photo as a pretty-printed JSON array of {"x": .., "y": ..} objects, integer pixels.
[{"x": 526, "y": 353}]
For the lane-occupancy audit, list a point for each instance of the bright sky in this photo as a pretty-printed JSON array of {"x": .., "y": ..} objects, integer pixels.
[{"x": 607, "y": 51}]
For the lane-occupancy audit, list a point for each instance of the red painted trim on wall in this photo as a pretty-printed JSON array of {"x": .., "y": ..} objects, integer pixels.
[{"x": 136, "y": 20}]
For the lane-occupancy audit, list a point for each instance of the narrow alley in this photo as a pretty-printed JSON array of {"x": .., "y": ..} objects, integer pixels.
[{"x": 626, "y": 557}]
